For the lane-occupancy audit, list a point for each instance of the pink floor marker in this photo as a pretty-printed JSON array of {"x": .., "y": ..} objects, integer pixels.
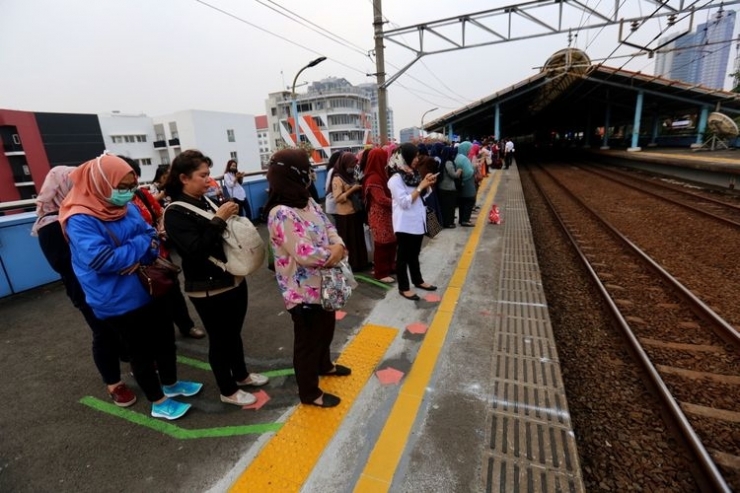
[
  {"x": 417, "y": 328},
  {"x": 339, "y": 314},
  {"x": 485, "y": 313},
  {"x": 433, "y": 298},
  {"x": 262, "y": 399},
  {"x": 389, "y": 376}
]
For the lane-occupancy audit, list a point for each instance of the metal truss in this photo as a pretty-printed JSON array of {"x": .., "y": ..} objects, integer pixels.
[{"x": 529, "y": 20}]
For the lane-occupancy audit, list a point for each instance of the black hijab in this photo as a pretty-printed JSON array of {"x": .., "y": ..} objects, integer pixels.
[
  {"x": 340, "y": 167},
  {"x": 288, "y": 176}
]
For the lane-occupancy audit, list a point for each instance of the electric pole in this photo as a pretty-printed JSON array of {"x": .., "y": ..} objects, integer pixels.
[{"x": 380, "y": 72}]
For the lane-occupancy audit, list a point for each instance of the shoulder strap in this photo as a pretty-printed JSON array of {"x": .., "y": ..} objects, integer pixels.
[{"x": 207, "y": 215}]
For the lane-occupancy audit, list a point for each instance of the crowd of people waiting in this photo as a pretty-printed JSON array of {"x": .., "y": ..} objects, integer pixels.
[{"x": 97, "y": 227}]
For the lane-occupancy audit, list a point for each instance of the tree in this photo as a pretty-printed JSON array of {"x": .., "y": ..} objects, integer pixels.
[{"x": 736, "y": 80}]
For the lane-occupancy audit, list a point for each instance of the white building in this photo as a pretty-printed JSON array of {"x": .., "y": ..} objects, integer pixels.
[
  {"x": 333, "y": 115},
  {"x": 410, "y": 134},
  {"x": 371, "y": 89},
  {"x": 220, "y": 136},
  {"x": 263, "y": 139},
  {"x": 131, "y": 136}
]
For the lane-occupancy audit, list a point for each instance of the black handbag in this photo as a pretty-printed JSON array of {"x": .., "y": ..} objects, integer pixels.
[{"x": 432, "y": 226}]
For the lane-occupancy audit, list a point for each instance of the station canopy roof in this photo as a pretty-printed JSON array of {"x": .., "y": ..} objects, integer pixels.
[{"x": 570, "y": 90}]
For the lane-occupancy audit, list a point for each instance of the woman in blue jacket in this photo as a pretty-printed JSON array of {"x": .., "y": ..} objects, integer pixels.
[{"x": 109, "y": 240}]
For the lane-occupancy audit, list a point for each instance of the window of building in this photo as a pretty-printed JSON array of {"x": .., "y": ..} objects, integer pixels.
[
  {"x": 273, "y": 111},
  {"x": 230, "y": 135},
  {"x": 233, "y": 155},
  {"x": 141, "y": 138},
  {"x": 165, "y": 159},
  {"x": 117, "y": 139},
  {"x": 144, "y": 161},
  {"x": 160, "y": 136},
  {"x": 129, "y": 139}
]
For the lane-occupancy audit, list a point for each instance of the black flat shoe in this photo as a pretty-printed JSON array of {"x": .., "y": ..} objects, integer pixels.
[
  {"x": 327, "y": 400},
  {"x": 339, "y": 371},
  {"x": 467, "y": 225},
  {"x": 451, "y": 226},
  {"x": 431, "y": 287},
  {"x": 413, "y": 297}
]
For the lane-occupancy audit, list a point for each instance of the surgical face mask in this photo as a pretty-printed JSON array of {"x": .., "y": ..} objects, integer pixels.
[
  {"x": 121, "y": 197},
  {"x": 233, "y": 169}
]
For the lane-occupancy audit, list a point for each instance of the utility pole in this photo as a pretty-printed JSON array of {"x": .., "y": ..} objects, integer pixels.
[{"x": 380, "y": 72}]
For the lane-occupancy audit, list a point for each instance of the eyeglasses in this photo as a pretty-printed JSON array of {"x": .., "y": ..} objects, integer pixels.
[{"x": 127, "y": 188}]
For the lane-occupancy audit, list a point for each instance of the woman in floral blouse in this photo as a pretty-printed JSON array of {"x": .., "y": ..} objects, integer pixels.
[{"x": 304, "y": 241}]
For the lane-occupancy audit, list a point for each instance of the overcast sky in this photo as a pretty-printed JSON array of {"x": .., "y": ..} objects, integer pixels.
[{"x": 160, "y": 56}]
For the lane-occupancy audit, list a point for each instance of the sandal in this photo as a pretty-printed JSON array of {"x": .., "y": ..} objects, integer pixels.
[
  {"x": 428, "y": 287},
  {"x": 195, "y": 333},
  {"x": 327, "y": 400},
  {"x": 338, "y": 371},
  {"x": 412, "y": 297}
]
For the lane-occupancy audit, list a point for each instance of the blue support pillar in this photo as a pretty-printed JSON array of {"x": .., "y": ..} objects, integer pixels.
[
  {"x": 702, "y": 126},
  {"x": 636, "y": 125},
  {"x": 449, "y": 131},
  {"x": 497, "y": 123},
  {"x": 607, "y": 123}
]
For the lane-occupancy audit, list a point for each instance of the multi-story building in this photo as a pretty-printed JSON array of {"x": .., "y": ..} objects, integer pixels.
[
  {"x": 410, "y": 134},
  {"x": 371, "y": 89},
  {"x": 700, "y": 57},
  {"x": 263, "y": 139},
  {"x": 33, "y": 143},
  {"x": 221, "y": 136},
  {"x": 332, "y": 115},
  {"x": 131, "y": 136}
]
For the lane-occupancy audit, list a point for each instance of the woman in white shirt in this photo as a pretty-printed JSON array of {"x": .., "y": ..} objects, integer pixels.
[
  {"x": 409, "y": 217},
  {"x": 330, "y": 204},
  {"x": 233, "y": 186}
]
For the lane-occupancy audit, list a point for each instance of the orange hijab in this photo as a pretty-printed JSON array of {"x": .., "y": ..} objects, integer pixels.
[{"x": 93, "y": 183}]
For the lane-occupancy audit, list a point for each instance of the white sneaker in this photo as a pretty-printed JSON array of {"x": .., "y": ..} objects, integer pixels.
[
  {"x": 255, "y": 380},
  {"x": 241, "y": 398}
]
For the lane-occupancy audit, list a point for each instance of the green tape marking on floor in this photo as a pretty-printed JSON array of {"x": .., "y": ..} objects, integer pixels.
[
  {"x": 370, "y": 280},
  {"x": 173, "y": 430},
  {"x": 202, "y": 365}
]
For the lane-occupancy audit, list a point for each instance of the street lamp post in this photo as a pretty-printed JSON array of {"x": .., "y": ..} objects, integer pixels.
[
  {"x": 294, "y": 102},
  {"x": 425, "y": 114}
]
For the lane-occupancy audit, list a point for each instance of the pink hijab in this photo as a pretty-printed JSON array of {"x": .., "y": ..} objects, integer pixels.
[
  {"x": 57, "y": 185},
  {"x": 93, "y": 183}
]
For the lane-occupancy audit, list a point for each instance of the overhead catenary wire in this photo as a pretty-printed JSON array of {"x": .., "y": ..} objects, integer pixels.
[{"x": 287, "y": 40}]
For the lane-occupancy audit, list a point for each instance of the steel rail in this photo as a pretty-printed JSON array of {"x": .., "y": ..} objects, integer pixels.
[
  {"x": 673, "y": 201},
  {"x": 711, "y": 479}
]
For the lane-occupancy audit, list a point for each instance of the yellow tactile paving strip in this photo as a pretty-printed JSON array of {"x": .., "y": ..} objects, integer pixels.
[
  {"x": 383, "y": 461},
  {"x": 700, "y": 156},
  {"x": 286, "y": 461}
]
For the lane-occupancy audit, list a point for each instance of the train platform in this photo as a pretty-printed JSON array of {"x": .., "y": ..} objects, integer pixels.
[
  {"x": 726, "y": 160},
  {"x": 460, "y": 391}
]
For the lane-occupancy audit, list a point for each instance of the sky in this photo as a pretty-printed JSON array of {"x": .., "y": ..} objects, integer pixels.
[{"x": 161, "y": 56}]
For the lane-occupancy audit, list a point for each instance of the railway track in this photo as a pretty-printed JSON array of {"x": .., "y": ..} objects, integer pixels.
[{"x": 689, "y": 353}]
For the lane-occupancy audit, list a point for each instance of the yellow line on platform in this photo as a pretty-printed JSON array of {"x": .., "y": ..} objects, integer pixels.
[
  {"x": 286, "y": 461},
  {"x": 383, "y": 461}
]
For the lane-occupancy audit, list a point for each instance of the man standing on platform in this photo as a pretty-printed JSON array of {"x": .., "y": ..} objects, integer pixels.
[{"x": 508, "y": 153}]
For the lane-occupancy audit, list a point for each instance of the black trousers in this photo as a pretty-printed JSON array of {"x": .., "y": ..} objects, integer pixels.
[
  {"x": 244, "y": 209},
  {"x": 178, "y": 309},
  {"x": 148, "y": 334},
  {"x": 507, "y": 159},
  {"x": 407, "y": 260},
  {"x": 223, "y": 318},
  {"x": 466, "y": 205},
  {"x": 106, "y": 342},
  {"x": 313, "y": 329},
  {"x": 448, "y": 201}
]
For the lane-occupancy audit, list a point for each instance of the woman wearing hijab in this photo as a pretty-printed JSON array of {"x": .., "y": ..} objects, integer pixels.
[
  {"x": 105, "y": 341},
  {"x": 348, "y": 196},
  {"x": 304, "y": 242},
  {"x": 409, "y": 217},
  {"x": 380, "y": 215},
  {"x": 330, "y": 205},
  {"x": 466, "y": 195},
  {"x": 219, "y": 297},
  {"x": 109, "y": 240},
  {"x": 446, "y": 186},
  {"x": 233, "y": 186}
]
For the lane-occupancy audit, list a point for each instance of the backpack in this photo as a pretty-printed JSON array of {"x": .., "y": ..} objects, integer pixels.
[{"x": 243, "y": 246}]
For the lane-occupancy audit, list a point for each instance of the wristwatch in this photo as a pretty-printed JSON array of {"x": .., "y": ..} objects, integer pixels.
[{"x": 418, "y": 190}]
